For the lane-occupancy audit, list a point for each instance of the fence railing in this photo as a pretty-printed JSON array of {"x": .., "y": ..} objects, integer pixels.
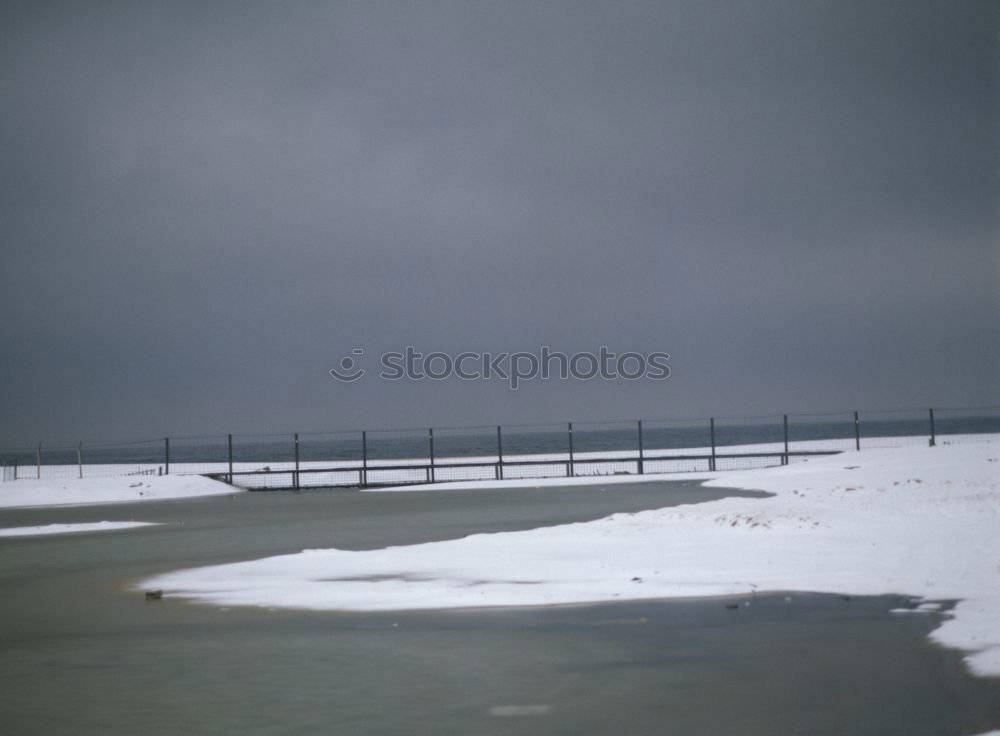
[{"x": 393, "y": 457}]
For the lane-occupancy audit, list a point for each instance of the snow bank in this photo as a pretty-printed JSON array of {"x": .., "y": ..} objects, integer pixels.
[
  {"x": 556, "y": 482},
  {"x": 74, "y": 492},
  {"x": 917, "y": 520},
  {"x": 98, "y": 526}
]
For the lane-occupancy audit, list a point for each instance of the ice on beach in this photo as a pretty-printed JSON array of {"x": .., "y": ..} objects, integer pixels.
[{"x": 917, "y": 521}]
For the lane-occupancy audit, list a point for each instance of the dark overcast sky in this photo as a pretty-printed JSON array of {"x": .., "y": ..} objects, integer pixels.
[{"x": 204, "y": 205}]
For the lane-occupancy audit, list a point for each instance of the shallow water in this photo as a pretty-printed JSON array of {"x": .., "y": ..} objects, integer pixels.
[{"x": 80, "y": 653}]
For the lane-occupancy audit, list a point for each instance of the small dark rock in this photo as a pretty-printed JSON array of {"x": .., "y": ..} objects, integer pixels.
[{"x": 154, "y": 595}]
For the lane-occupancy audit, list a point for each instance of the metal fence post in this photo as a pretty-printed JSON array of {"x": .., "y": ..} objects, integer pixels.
[
  {"x": 364, "y": 458},
  {"x": 784, "y": 421},
  {"x": 933, "y": 436},
  {"x": 79, "y": 457},
  {"x": 857, "y": 432},
  {"x": 295, "y": 477},
  {"x": 38, "y": 461},
  {"x": 711, "y": 430},
  {"x": 641, "y": 459},
  {"x": 230, "y": 459},
  {"x": 499, "y": 453},
  {"x": 166, "y": 456},
  {"x": 430, "y": 440},
  {"x": 570, "y": 471}
]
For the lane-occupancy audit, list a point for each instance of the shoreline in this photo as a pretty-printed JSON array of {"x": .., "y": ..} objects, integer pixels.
[{"x": 915, "y": 522}]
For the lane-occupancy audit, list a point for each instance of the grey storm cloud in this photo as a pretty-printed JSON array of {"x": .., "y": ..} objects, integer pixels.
[{"x": 205, "y": 205}]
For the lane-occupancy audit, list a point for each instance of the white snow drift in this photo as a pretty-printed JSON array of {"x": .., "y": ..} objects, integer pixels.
[
  {"x": 916, "y": 521},
  {"x": 121, "y": 489}
]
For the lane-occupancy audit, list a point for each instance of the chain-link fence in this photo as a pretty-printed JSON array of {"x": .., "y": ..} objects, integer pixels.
[
  {"x": 605, "y": 448},
  {"x": 740, "y": 443},
  {"x": 536, "y": 451},
  {"x": 90, "y": 459},
  {"x": 394, "y": 457}
]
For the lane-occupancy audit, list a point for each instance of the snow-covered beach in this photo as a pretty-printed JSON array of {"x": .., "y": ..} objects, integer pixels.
[
  {"x": 28, "y": 492},
  {"x": 918, "y": 521}
]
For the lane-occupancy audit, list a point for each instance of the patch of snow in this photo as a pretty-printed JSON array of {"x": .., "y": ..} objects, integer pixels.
[
  {"x": 120, "y": 489},
  {"x": 504, "y": 711},
  {"x": 929, "y": 607},
  {"x": 919, "y": 521},
  {"x": 97, "y": 526},
  {"x": 555, "y": 482}
]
